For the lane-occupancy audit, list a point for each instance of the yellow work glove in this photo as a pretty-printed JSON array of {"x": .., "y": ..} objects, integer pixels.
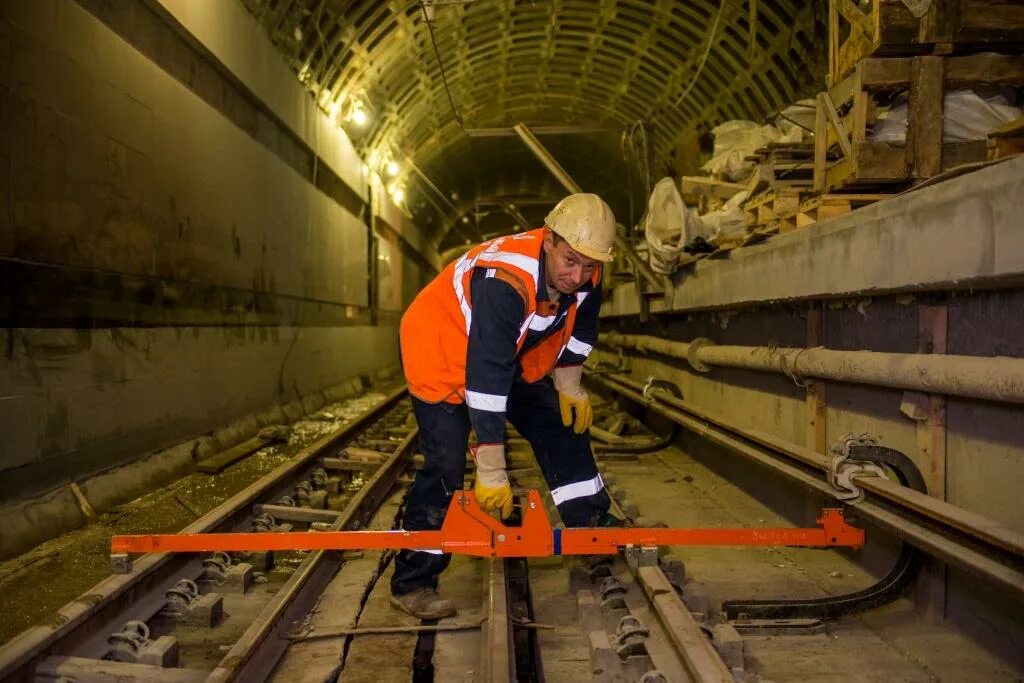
[
  {"x": 573, "y": 398},
  {"x": 491, "y": 487}
]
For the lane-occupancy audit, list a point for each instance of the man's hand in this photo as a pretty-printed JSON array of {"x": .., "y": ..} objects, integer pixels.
[
  {"x": 491, "y": 487},
  {"x": 572, "y": 397}
]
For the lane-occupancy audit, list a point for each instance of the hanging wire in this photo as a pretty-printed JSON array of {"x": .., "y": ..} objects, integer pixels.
[
  {"x": 444, "y": 77},
  {"x": 712, "y": 34},
  {"x": 635, "y": 153}
]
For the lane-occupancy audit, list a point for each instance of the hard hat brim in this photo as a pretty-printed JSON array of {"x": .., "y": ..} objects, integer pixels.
[{"x": 602, "y": 256}]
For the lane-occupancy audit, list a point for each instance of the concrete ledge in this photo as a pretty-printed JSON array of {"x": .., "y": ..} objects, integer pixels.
[{"x": 963, "y": 233}]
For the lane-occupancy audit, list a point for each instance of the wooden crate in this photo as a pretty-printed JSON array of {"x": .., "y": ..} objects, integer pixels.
[
  {"x": 765, "y": 213},
  {"x": 828, "y": 206},
  {"x": 1007, "y": 140},
  {"x": 783, "y": 166},
  {"x": 843, "y": 156},
  {"x": 889, "y": 28}
]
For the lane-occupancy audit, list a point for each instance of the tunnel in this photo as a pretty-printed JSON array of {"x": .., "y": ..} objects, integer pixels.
[{"x": 612, "y": 340}]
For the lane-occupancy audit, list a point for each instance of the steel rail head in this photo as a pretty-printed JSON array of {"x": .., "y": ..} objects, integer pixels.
[
  {"x": 311, "y": 576},
  {"x": 496, "y": 654}
]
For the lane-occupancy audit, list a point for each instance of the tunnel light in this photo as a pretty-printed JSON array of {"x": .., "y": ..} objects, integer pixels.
[
  {"x": 358, "y": 115},
  {"x": 333, "y": 110},
  {"x": 397, "y": 192},
  {"x": 392, "y": 168}
]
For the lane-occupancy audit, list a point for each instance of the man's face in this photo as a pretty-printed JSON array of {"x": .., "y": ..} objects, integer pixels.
[{"x": 567, "y": 270}]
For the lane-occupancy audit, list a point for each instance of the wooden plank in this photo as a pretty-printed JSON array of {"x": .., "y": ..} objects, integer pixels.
[
  {"x": 1008, "y": 139},
  {"x": 853, "y": 14},
  {"x": 1011, "y": 129},
  {"x": 830, "y": 205},
  {"x": 364, "y": 454},
  {"x": 220, "y": 461},
  {"x": 924, "y": 132},
  {"x": 940, "y": 23},
  {"x": 881, "y": 163},
  {"x": 837, "y": 125},
  {"x": 83, "y": 502},
  {"x": 700, "y": 186},
  {"x": 287, "y": 513},
  {"x": 833, "y": 45},
  {"x": 1005, "y": 146},
  {"x": 960, "y": 72},
  {"x": 348, "y": 465},
  {"x": 863, "y": 38},
  {"x": 820, "y": 145},
  {"x": 83, "y": 670}
]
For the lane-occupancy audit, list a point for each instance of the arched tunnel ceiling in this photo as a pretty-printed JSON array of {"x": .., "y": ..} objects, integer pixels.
[{"x": 595, "y": 68}]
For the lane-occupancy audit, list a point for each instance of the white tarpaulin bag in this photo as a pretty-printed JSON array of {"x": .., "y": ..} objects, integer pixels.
[
  {"x": 668, "y": 225},
  {"x": 966, "y": 116},
  {"x": 735, "y": 140}
]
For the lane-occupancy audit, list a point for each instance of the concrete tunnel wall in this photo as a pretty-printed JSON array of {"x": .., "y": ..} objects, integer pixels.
[{"x": 185, "y": 238}]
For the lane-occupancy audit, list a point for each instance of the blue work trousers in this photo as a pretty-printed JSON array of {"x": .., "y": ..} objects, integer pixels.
[{"x": 564, "y": 457}]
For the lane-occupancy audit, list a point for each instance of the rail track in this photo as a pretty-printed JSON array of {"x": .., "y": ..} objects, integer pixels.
[{"x": 323, "y": 615}]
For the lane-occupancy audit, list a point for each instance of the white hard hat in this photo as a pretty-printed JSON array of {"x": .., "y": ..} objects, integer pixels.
[{"x": 586, "y": 223}]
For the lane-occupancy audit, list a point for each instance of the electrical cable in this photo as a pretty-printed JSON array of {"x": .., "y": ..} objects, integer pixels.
[
  {"x": 707, "y": 51},
  {"x": 440, "y": 65}
]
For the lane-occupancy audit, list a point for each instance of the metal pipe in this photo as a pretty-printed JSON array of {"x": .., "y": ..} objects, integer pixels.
[
  {"x": 997, "y": 378},
  {"x": 545, "y": 157},
  {"x": 654, "y": 283}
]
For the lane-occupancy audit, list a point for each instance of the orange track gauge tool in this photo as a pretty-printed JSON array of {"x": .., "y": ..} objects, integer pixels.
[{"x": 468, "y": 530}]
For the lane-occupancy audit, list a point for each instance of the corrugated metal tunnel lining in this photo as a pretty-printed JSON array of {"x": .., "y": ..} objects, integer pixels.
[{"x": 678, "y": 67}]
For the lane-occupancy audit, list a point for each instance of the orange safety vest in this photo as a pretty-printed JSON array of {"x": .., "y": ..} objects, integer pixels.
[{"x": 434, "y": 333}]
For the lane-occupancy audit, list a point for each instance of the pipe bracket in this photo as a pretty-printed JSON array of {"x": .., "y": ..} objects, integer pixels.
[{"x": 692, "y": 354}]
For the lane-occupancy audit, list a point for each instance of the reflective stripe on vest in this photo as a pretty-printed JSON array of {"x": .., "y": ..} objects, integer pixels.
[{"x": 442, "y": 315}]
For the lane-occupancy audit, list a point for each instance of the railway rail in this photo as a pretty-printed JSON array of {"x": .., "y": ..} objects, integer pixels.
[
  {"x": 121, "y": 628},
  {"x": 183, "y": 617}
]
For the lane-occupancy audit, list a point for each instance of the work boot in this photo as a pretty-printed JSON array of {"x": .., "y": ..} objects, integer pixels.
[{"x": 424, "y": 603}]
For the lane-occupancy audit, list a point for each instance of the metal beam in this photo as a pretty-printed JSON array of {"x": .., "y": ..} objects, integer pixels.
[
  {"x": 654, "y": 283},
  {"x": 541, "y": 130}
]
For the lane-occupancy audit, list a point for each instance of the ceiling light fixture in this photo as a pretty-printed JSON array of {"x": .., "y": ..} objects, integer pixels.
[
  {"x": 397, "y": 192},
  {"x": 358, "y": 115}
]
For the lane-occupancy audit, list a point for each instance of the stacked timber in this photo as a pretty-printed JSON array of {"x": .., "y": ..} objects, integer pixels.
[
  {"x": 782, "y": 178},
  {"x": 880, "y": 50},
  {"x": 894, "y": 28}
]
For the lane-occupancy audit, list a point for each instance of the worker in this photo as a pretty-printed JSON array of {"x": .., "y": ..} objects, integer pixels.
[{"x": 502, "y": 333}]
